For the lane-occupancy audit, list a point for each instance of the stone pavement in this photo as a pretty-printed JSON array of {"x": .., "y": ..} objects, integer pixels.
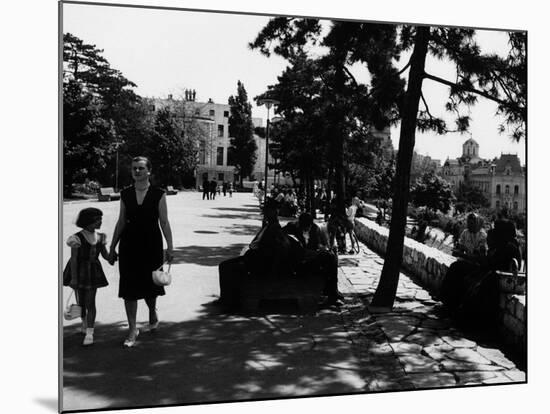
[{"x": 415, "y": 346}]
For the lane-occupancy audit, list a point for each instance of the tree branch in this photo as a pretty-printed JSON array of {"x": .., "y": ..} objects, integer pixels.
[
  {"x": 426, "y": 106},
  {"x": 351, "y": 76},
  {"x": 473, "y": 90},
  {"x": 405, "y": 68}
]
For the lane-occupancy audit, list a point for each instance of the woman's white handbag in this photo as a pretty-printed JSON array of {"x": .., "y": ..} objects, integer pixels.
[
  {"x": 73, "y": 310},
  {"x": 162, "y": 278}
]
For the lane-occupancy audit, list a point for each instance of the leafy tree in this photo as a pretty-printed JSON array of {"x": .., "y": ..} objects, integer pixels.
[
  {"x": 470, "y": 197},
  {"x": 99, "y": 109},
  {"x": 319, "y": 93},
  {"x": 241, "y": 130},
  {"x": 433, "y": 192},
  {"x": 170, "y": 138}
]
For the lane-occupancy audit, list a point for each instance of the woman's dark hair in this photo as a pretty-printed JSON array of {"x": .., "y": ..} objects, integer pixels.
[
  {"x": 144, "y": 159},
  {"x": 87, "y": 216}
]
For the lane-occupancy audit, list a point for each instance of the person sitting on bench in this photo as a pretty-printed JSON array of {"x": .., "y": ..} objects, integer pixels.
[
  {"x": 268, "y": 256},
  {"x": 313, "y": 257}
]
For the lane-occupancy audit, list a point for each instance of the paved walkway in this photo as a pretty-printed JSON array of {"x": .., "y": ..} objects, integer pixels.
[
  {"x": 201, "y": 355},
  {"x": 415, "y": 346}
]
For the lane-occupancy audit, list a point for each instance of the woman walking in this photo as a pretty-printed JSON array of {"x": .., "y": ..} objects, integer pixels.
[{"x": 142, "y": 209}]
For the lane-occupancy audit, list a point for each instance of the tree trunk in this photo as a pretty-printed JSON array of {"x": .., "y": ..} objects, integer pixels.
[
  {"x": 384, "y": 296},
  {"x": 310, "y": 195}
]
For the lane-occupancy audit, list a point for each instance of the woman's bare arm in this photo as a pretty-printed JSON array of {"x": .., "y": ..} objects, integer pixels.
[
  {"x": 165, "y": 226},
  {"x": 120, "y": 224}
]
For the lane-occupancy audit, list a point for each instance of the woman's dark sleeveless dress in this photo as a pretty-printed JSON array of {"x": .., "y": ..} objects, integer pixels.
[{"x": 140, "y": 250}]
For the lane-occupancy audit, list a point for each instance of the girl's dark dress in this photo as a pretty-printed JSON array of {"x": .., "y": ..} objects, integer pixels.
[
  {"x": 140, "y": 250},
  {"x": 90, "y": 273}
]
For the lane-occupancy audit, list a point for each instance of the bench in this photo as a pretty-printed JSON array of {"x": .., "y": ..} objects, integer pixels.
[
  {"x": 305, "y": 290},
  {"x": 171, "y": 190},
  {"x": 107, "y": 194}
]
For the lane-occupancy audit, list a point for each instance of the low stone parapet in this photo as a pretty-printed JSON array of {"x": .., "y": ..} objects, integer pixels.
[{"x": 429, "y": 266}]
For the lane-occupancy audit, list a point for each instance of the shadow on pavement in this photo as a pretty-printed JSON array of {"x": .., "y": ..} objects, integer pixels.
[
  {"x": 206, "y": 255},
  {"x": 212, "y": 358},
  {"x": 250, "y": 210},
  {"x": 226, "y": 216},
  {"x": 243, "y": 229}
]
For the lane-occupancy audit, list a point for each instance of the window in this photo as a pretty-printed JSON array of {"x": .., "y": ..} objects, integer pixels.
[
  {"x": 507, "y": 189},
  {"x": 220, "y": 177},
  {"x": 230, "y": 156},
  {"x": 212, "y": 112},
  {"x": 202, "y": 153},
  {"x": 220, "y": 131},
  {"x": 197, "y": 112},
  {"x": 226, "y": 114},
  {"x": 498, "y": 188},
  {"x": 516, "y": 189},
  {"x": 515, "y": 205},
  {"x": 219, "y": 156}
]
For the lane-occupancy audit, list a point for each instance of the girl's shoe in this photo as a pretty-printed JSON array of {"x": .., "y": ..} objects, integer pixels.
[
  {"x": 153, "y": 326},
  {"x": 89, "y": 338},
  {"x": 132, "y": 338}
]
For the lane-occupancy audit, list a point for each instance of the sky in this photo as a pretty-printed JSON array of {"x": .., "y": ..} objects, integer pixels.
[{"x": 166, "y": 51}]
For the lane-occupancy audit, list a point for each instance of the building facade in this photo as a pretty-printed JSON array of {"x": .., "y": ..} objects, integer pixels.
[
  {"x": 502, "y": 180},
  {"x": 213, "y": 121}
]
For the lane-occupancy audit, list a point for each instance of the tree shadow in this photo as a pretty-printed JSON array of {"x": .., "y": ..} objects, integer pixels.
[
  {"x": 206, "y": 255},
  {"x": 243, "y": 229},
  {"x": 242, "y": 210},
  {"x": 226, "y": 216},
  {"x": 206, "y": 232},
  {"x": 212, "y": 358}
]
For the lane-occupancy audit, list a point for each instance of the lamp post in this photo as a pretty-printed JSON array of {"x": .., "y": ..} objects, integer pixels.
[
  {"x": 268, "y": 104},
  {"x": 276, "y": 173}
]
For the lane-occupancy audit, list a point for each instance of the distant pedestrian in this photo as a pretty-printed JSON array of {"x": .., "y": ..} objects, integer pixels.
[
  {"x": 213, "y": 186},
  {"x": 205, "y": 189},
  {"x": 224, "y": 188},
  {"x": 83, "y": 272},
  {"x": 230, "y": 188}
]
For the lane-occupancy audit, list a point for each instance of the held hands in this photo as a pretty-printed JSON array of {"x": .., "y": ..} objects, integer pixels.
[
  {"x": 112, "y": 257},
  {"x": 168, "y": 255}
]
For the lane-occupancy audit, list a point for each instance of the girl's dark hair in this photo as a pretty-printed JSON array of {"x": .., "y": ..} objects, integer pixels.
[
  {"x": 145, "y": 159},
  {"x": 87, "y": 216}
]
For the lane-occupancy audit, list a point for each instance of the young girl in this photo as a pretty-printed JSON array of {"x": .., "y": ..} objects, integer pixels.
[{"x": 83, "y": 272}]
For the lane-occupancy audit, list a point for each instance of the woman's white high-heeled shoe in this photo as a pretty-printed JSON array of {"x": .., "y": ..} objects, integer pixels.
[
  {"x": 132, "y": 338},
  {"x": 89, "y": 338}
]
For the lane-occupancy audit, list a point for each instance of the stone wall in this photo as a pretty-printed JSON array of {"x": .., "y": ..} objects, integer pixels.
[{"x": 429, "y": 266}]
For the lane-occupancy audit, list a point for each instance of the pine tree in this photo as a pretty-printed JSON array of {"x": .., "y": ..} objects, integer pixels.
[{"x": 241, "y": 132}]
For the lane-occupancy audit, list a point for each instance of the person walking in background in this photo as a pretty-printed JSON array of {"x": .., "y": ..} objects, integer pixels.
[
  {"x": 205, "y": 189},
  {"x": 83, "y": 272},
  {"x": 230, "y": 187},
  {"x": 213, "y": 186},
  {"x": 224, "y": 188},
  {"x": 142, "y": 209}
]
